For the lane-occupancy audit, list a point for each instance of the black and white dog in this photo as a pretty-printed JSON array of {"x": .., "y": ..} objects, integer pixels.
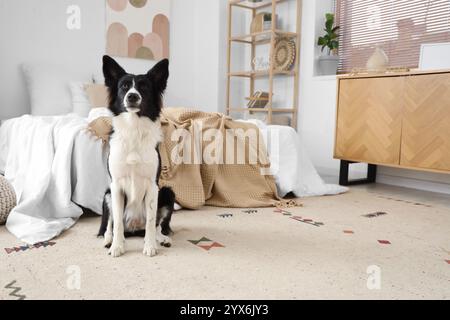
[{"x": 134, "y": 205}]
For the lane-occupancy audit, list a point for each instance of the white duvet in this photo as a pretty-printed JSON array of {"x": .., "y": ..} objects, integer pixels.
[
  {"x": 56, "y": 166},
  {"x": 53, "y": 165}
]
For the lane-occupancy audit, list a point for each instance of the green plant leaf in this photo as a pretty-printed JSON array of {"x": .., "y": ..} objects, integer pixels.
[
  {"x": 329, "y": 16},
  {"x": 330, "y": 39},
  {"x": 334, "y": 44}
]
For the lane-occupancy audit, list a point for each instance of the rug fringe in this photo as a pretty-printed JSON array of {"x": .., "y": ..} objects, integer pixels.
[{"x": 291, "y": 203}]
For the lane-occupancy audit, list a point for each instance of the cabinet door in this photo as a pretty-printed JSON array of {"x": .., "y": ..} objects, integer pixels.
[
  {"x": 369, "y": 119},
  {"x": 426, "y": 124}
]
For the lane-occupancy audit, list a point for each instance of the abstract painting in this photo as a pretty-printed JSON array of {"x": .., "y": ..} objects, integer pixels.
[{"x": 138, "y": 28}]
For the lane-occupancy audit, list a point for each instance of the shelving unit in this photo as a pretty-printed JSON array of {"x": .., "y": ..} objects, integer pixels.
[{"x": 254, "y": 39}]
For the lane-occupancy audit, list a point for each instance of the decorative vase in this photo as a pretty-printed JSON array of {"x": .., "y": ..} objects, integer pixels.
[{"x": 379, "y": 61}]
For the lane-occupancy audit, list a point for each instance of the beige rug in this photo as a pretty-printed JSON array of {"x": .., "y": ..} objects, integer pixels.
[{"x": 252, "y": 255}]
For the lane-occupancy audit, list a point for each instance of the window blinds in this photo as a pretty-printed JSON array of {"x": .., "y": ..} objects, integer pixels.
[{"x": 397, "y": 26}]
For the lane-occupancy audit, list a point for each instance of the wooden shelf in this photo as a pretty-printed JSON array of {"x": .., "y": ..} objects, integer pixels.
[
  {"x": 253, "y": 6},
  {"x": 252, "y": 37},
  {"x": 271, "y": 74},
  {"x": 264, "y": 73},
  {"x": 274, "y": 110}
]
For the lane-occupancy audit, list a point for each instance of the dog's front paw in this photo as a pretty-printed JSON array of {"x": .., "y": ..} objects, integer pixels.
[
  {"x": 117, "y": 250},
  {"x": 165, "y": 241},
  {"x": 150, "y": 250},
  {"x": 108, "y": 240}
]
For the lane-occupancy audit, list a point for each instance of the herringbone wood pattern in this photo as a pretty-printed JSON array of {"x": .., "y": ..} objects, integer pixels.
[
  {"x": 426, "y": 123},
  {"x": 370, "y": 120}
]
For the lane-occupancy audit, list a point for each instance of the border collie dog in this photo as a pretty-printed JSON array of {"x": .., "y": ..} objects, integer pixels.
[{"x": 134, "y": 205}]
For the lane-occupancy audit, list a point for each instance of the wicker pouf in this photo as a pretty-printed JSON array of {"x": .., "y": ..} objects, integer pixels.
[{"x": 7, "y": 199}]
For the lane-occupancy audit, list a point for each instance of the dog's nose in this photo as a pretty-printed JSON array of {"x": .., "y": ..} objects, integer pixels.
[{"x": 132, "y": 98}]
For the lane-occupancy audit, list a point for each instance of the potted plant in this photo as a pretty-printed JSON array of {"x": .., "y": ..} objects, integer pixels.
[{"x": 328, "y": 63}]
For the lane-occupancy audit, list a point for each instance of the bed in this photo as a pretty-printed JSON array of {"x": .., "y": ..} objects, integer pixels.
[{"x": 58, "y": 168}]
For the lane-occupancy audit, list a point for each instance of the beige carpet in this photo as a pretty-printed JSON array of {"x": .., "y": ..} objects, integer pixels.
[{"x": 266, "y": 255}]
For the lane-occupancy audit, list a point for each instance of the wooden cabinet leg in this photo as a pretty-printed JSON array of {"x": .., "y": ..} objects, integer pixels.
[{"x": 344, "y": 170}]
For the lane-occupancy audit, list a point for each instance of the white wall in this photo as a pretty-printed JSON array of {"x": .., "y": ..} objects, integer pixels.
[
  {"x": 318, "y": 111},
  {"x": 210, "y": 50},
  {"x": 35, "y": 31},
  {"x": 317, "y": 108}
]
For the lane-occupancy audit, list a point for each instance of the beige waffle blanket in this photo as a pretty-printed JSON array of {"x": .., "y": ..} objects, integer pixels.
[{"x": 198, "y": 183}]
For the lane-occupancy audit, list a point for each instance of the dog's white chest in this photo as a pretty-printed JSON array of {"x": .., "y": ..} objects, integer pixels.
[{"x": 133, "y": 147}]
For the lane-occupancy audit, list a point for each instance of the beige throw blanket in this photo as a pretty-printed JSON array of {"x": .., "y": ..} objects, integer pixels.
[{"x": 197, "y": 183}]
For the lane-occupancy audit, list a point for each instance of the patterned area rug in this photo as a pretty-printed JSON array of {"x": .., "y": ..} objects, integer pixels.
[{"x": 360, "y": 245}]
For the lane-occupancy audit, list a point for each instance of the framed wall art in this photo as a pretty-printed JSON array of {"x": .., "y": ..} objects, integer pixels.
[{"x": 138, "y": 28}]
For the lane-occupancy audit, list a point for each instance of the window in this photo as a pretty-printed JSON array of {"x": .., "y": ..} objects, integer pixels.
[{"x": 397, "y": 26}]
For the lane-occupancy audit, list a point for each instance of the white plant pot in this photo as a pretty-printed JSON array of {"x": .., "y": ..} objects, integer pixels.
[{"x": 328, "y": 64}]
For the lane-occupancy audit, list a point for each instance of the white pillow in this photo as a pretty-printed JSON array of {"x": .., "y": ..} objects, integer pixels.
[
  {"x": 80, "y": 101},
  {"x": 48, "y": 88}
]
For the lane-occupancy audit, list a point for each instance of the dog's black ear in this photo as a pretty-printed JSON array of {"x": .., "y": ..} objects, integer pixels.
[
  {"x": 112, "y": 71},
  {"x": 159, "y": 75}
]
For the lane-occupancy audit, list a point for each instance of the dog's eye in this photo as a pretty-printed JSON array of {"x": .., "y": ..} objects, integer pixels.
[{"x": 125, "y": 86}]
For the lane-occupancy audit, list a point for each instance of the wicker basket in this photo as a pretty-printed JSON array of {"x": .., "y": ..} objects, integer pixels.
[{"x": 7, "y": 199}]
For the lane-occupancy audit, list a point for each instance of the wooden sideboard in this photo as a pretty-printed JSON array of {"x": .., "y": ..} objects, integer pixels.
[{"x": 399, "y": 120}]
